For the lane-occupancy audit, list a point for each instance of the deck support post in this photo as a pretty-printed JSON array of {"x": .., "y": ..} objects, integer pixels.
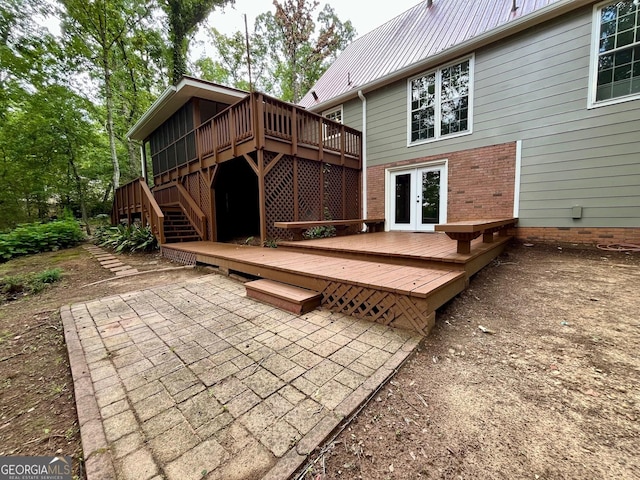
[
  {"x": 232, "y": 131},
  {"x": 464, "y": 240},
  {"x": 262, "y": 197},
  {"x": 212, "y": 193},
  {"x": 321, "y": 139},
  {"x": 259, "y": 121},
  {"x": 296, "y": 200},
  {"x": 128, "y": 207},
  {"x": 344, "y": 192},
  {"x": 294, "y": 132},
  {"x": 321, "y": 212},
  {"x": 487, "y": 237}
]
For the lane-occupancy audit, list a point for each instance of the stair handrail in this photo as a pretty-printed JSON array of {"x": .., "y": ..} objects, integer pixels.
[
  {"x": 193, "y": 212},
  {"x": 136, "y": 197},
  {"x": 152, "y": 210}
]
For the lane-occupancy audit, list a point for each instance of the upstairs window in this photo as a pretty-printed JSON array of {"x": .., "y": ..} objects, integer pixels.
[
  {"x": 440, "y": 102},
  {"x": 616, "y": 63},
  {"x": 334, "y": 114},
  {"x": 331, "y": 131}
]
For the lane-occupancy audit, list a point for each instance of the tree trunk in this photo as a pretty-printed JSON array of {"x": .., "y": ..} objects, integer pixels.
[
  {"x": 80, "y": 191},
  {"x": 294, "y": 77},
  {"x": 110, "y": 131},
  {"x": 179, "y": 63},
  {"x": 107, "y": 192},
  {"x": 134, "y": 161}
]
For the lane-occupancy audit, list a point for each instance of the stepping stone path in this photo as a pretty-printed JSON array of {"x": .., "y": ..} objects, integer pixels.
[{"x": 110, "y": 261}]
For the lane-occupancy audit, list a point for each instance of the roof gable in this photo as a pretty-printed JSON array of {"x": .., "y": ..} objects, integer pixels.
[
  {"x": 415, "y": 36},
  {"x": 175, "y": 96}
]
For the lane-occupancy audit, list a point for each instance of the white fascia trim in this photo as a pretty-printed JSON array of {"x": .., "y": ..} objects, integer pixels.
[
  {"x": 510, "y": 28},
  {"x": 212, "y": 88},
  {"x": 516, "y": 189}
]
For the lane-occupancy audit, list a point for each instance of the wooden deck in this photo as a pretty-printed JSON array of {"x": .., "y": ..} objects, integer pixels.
[
  {"x": 434, "y": 250},
  {"x": 396, "y": 279}
]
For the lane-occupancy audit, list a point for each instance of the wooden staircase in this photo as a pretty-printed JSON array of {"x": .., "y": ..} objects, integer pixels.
[
  {"x": 177, "y": 227},
  {"x": 170, "y": 211}
]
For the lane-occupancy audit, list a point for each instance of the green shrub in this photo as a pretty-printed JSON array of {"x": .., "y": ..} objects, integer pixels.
[
  {"x": 30, "y": 283},
  {"x": 39, "y": 237},
  {"x": 323, "y": 231},
  {"x": 131, "y": 238}
]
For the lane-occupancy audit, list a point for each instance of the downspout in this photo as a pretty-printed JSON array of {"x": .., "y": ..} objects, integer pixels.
[{"x": 364, "y": 153}]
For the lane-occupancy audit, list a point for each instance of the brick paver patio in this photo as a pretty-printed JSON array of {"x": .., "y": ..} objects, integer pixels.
[{"x": 194, "y": 380}]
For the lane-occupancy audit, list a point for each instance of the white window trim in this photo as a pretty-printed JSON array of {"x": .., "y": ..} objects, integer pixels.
[
  {"x": 444, "y": 186},
  {"x": 469, "y": 131},
  {"x": 333, "y": 110},
  {"x": 593, "y": 63}
]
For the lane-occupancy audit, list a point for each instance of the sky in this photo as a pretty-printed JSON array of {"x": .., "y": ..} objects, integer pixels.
[{"x": 365, "y": 15}]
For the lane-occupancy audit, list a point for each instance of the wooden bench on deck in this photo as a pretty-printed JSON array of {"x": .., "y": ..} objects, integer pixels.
[
  {"x": 468, "y": 230},
  {"x": 298, "y": 228}
]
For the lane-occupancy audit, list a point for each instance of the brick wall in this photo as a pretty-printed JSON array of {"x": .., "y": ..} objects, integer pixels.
[
  {"x": 481, "y": 183},
  {"x": 605, "y": 235}
]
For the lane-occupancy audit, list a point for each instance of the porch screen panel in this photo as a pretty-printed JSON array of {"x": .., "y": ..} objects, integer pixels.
[{"x": 173, "y": 143}]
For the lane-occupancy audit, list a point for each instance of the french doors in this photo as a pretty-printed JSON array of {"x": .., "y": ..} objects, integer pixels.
[{"x": 418, "y": 198}]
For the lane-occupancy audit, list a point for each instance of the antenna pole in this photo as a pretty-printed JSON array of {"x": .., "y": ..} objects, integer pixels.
[{"x": 246, "y": 35}]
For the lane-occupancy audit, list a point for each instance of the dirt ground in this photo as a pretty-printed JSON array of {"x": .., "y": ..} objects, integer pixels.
[
  {"x": 37, "y": 407},
  {"x": 552, "y": 392}
]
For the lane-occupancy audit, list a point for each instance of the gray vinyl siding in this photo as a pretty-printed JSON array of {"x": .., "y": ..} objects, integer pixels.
[
  {"x": 352, "y": 114},
  {"x": 534, "y": 87}
]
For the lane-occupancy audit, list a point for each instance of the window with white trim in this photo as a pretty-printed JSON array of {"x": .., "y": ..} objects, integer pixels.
[
  {"x": 334, "y": 114},
  {"x": 332, "y": 131},
  {"x": 617, "y": 63},
  {"x": 440, "y": 102}
]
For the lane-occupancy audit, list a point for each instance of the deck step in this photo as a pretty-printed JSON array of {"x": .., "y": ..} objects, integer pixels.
[{"x": 287, "y": 297}]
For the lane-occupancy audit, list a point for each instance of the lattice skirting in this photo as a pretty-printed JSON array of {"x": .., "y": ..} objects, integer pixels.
[
  {"x": 387, "y": 308},
  {"x": 178, "y": 256}
]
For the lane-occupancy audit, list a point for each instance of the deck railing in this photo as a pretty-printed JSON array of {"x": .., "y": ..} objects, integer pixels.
[
  {"x": 260, "y": 117},
  {"x": 136, "y": 197}
]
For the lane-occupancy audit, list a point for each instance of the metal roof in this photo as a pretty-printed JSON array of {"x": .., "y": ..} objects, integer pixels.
[{"x": 419, "y": 34}]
